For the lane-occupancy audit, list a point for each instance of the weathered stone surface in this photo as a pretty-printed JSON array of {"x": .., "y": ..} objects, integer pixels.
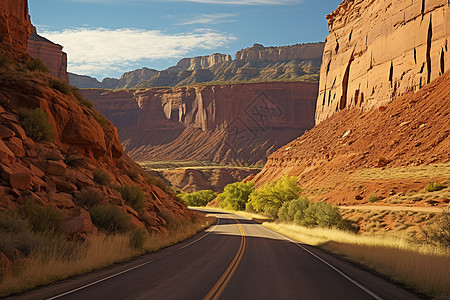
[
  {"x": 16, "y": 146},
  {"x": 80, "y": 224},
  {"x": 61, "y": 200},
  {"x": 221, "y": 123},
  {"x": 63, "y": 185},
  {"x": 20, "y": 181},
  {"x": 5, "y": 132},
  {"x": 14, "y": 26},
  {"x": 379, "y": 50},
  {"x": 50, "y": 53},
  {"x": 57, "y": 168},
  {"x": 5, "y": 152}
]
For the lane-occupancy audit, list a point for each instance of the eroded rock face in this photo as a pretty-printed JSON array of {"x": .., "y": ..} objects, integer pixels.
[
  {"x": 200, "y": 62},
  {"x": 14, "y": 26},
  {"x": 379, "y": 50},
  {"x": 220, "y": 123},
  {"x": 50, "y": 53},
  {"x": 258, "y": 53}
]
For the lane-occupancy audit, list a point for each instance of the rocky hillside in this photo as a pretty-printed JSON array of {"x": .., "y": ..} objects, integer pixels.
[
  {"x": 54, "y": 146},
  {"x": 257, "y": 63},
  {"x": 239, "y": 123},
  {"x": 410, "y": 131},
  {"x": 379, "y": 50},
  {"x": 50, "y": 53}
]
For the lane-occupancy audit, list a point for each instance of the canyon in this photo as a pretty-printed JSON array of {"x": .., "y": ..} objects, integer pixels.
[
  {"x": 299, "y": 62},
  {"x": 377, "y": 51},
  {"x": 52, "y": 172},
  {"x": 233, "y": 124}
]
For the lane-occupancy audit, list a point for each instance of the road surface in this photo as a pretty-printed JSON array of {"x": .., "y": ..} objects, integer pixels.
[{"x": 234, "y": 259}]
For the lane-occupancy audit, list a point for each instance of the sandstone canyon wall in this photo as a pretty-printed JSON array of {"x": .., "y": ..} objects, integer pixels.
[
  {"x": 50, "y": 53},
  {"x": 240, "y": 123},
  {"x": 379, "y": 50},
  {"x": 200, "y": 62},
  {"x": 14, "y": 26}
]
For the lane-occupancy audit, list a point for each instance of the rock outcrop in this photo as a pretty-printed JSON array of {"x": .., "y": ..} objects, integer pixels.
[
  {"x": 412, "y": 130},
  {"x": 239, "y": 123},
  {"x": 50, "y": 53},
  {"x": 258, "y": 63},
  {"x": 379, "y": 50},
  {"x": 55, "y": 170},
  {"x": 15, "y": 26},
  {"x": 215, "y": 179},
  {"x": 200, "y": 62}
]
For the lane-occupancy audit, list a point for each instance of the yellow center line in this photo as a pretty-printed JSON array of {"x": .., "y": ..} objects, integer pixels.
[{"x": 223, "y": 281}]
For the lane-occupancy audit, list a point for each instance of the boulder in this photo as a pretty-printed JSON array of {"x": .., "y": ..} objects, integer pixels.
[
  {"x": 16, "y": 146},
  {"x": 20, "y": 181},
  {"x": 57, "y": 168},
  {"x": 5, "y": 132}
]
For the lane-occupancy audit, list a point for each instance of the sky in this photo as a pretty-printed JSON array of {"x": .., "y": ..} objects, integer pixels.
[{"x": 105, "y": 38}]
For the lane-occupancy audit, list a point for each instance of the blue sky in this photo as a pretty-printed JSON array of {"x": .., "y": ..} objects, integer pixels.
[{"x": 105, "y": 38}]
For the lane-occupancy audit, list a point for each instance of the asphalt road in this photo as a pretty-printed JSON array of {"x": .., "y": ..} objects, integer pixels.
[{"x": 234, "y": 259}]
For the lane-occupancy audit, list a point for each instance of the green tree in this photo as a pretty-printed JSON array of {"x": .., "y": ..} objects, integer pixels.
[
  {"x": 271, "y": 197},
  {"x": 294, "y": 210},
  {"x": 236, "y": 195},
  {"x": 200, "y": 198}
]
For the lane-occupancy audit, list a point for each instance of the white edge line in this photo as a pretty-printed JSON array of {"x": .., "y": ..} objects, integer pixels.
[
  {"x": 330, "y": 265},
  {"x": 130, "y": 269}
]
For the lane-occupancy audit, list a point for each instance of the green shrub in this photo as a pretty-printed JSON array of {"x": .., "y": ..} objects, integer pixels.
[
  {"x": 200, "y": 198},
  {"x": 110, "y": 219},
  {"x": 235, "y": 195},
  {"x": 89, "y": 196},
  {"x": 134, "y": 196},
  {"x": 61, "y": 85},
  {"x": 271, "y": 197},
  {"x": 37, "y": 64},
  {"x": 373, "y": 198},
  {"x": 434, "y": 186},
  {"x": 36, "y": 125},
  {"x": 152, "y": 180},
  {"x": 137, "y": 239},
  {"x": 293, "y": 210},
  {"x": 101, "y": 177},
  {"x": 45, "y": 219},
  {"x": 80, "y": 98},
  {"x": 15, "y": 233}
]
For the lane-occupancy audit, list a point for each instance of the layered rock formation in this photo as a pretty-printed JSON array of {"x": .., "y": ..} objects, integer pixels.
[
  {"x": 379, "y": 50},
  {"x": 14, "y": 26},
  {"x": 257, "y": 63},
  {"x": 412, "y": 130},
  {"x": 200, "y": 62},
  {"x": 50, "y": 53},
  {"x": 55, "y": 172},
  {"x": 240, "y": 123},
  {"x": 215, "y": 179}
]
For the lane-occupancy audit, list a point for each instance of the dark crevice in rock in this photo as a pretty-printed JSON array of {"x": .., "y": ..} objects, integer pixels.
[
  {"x": 429, "y": 39},
  {"x": 442, "y": 62},
  {"x": 343, "y": 101}
]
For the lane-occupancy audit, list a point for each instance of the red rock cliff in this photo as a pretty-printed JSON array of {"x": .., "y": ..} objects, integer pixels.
[
  {"x": 222, "y": 123},
  {"x": 379, "y": 50},
  {"x": 50, "y": 53},
  {"x": 14, "y": 25}
]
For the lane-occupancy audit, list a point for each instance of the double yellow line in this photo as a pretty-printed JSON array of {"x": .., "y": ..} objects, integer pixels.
[{"x": 223, "y": 281}]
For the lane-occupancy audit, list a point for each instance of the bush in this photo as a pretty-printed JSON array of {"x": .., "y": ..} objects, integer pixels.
[
  {"x": 80, "y": 98},
  {"x": 200, "y": 198},
  {"x": 100, "y": 119},
  {"x": 137, "y": 239},
  {"x": 235, "y": 195},
  {"x": 36, "y": 125},
  {"x": 89, "y": 196},
  {"x": 37, "y": 64},
  {"x": 44, "y": 219},
  {"x": 293, "y": 210},
  {"x": 373, "y": 198},
  {"x": 101, "y": 177},
  {"x": 61, "y": 85},
  {"x": 110, "y": 219},
  {"x": 271, "y": 197},
  {"x": 15, "y": 233},
  {"x": 434, "y": 186},
  {"x": 134, "y": 196}
]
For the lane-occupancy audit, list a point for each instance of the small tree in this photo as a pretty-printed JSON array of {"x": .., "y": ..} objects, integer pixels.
[
  {"x": 236, "y": 195},
  {"x": 200, "y": 198},
  {"x": 134, "y": 196},
  {"x": 110, "y": 219}
]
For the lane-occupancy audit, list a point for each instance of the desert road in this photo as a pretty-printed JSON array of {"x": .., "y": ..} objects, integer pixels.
[{"x": 234, "y": 259}]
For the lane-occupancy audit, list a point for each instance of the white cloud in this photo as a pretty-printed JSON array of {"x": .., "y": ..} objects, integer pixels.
[
  {"x": 104, "y": 51},
  {"x": 209, "y": 19}
]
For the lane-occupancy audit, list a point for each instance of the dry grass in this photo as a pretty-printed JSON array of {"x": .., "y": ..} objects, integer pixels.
[
  {"x": 425, "y": 267},
  {"x": 98, "y": 251},
  {"x": 412, "y": 172}
]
